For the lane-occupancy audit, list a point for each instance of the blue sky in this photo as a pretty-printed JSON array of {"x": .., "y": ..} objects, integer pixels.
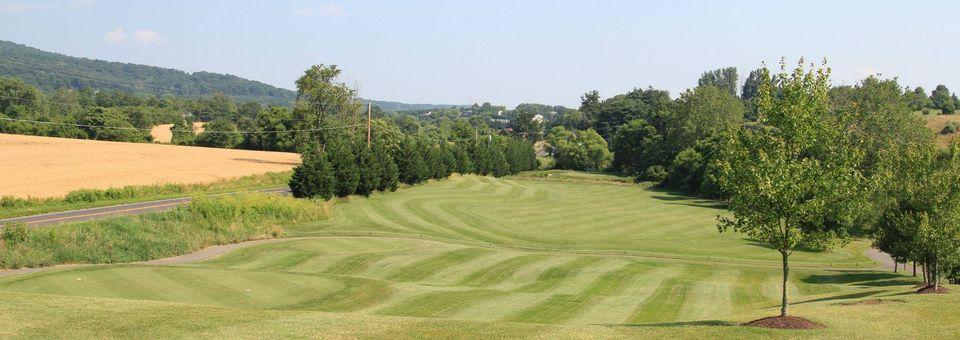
[{"x": 505, "y": 52}]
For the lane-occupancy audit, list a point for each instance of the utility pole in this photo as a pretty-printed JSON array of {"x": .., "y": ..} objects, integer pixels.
[{"x": 369, "y": 107}]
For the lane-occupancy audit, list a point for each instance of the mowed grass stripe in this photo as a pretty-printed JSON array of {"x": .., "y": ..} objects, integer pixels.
[
  {"x": 425, "y": 268},
  {"x": 501, "y": 271},
  {"x": 556, "y": 309},
  {"x": 616, "y": 281},
  {"x": 556, "y": 275},
  {"x": 356, "y": 294},
  {"x": 354, "y": 263},
  {"x": 438, "y": 304},
  {"x": 666, "y": 301}
]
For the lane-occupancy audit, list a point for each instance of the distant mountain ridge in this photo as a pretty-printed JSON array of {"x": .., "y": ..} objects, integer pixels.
[{"x": 50, "y": 71}]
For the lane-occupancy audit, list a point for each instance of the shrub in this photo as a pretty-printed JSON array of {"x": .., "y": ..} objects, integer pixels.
[
  {"x": 950, "y": 128},
  {"x": 654, "y": 173},
  {"x": 14, "y": 234}
]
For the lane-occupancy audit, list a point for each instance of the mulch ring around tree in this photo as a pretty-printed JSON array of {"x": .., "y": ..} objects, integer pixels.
[
  {"x": 930, "y": 290},
  {"x": 784, "y": 322}
]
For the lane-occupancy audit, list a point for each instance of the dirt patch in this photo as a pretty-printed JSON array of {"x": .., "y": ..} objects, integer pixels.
[
  {"x": 930, "y": 290},
  {"x": 871, "y": 302},
  {"x": 784, "y": 322}
]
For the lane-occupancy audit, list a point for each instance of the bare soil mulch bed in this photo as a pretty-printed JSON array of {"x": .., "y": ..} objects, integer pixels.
[
  {"x": 784, "y": 322},
  {"x": 930, "y": 290}
]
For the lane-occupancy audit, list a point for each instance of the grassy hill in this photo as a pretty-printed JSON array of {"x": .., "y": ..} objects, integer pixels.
[
  {"x": 480, "y": 257},
  {"x": 50, "y": 71}
]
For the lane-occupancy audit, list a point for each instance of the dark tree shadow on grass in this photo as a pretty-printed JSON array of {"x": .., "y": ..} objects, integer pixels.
[
  {"x": 677, "y": 324},
  {"x": 682, "y": 198}
]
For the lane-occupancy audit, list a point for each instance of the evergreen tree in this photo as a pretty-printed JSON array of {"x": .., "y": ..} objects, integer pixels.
[
  {"x": 314, "y": 176},
  {"x": 464, "y": 163},
  {"x": 371, "y": 170},
  {"x": 390, "y": 176},
  {"x": 410, "y": 163},
  {"x": 345, "y": 168}
]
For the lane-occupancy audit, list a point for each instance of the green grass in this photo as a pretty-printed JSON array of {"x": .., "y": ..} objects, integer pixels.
[
  {"x": 86, "y": 198},
  {"x": 582, "y": 214},
  {"x": 484, "y": 258}
]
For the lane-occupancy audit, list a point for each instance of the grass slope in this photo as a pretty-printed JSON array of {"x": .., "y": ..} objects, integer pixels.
[{"x": 481, "y": 257}]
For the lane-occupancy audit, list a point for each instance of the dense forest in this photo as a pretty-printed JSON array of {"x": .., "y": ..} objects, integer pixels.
[{"x": 53, "y": 71}]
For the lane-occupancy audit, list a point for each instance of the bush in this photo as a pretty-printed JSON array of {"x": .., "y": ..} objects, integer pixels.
[
  {"x": 654, "y": 173},
  {"x": 14, "y": 234},
  {"x": 950, "y": 128},
  {"x": 926, "y": 112}
]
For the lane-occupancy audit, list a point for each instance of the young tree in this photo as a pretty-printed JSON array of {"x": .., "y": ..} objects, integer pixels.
[
  {"x": 344, "y": 163},
  {"x": 791, "y": 182},
  {"x": 313, "y": 178}
]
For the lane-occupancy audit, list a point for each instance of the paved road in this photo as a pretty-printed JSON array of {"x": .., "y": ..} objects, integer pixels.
[{"x": 116, "y": 210}]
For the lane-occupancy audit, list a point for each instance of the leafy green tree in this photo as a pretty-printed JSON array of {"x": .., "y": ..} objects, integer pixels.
[
  {"x": 725, "y": 79},
  {"x": 345, "y": 170},
  {"x": 18, "y": 99},
  {"x": 219, "y": 133},
  {"x": 940, "y": 98},
  {"x": 652, "y": 105},
  {"x": 637, "y": 145},
  {"x": 751, "y": 86},
  {"x": 792, "y": 183},
  {"x": 313, "y": 178},
  {"x": 705, "y": 111},
  {"x": 525, "y": 123},
  {"x": 919, "y": 223},
  {"x": 110, "y": 124},
  {"x": 321, "y": 98},
  {"x": 917, "y": 99},
  {"x": 579, "y": 150}
]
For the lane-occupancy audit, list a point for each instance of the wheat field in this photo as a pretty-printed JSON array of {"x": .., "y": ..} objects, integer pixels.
[{"x": 43, "y": 167}]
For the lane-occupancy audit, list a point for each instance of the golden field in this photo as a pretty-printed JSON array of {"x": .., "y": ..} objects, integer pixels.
[{"x": 51, "y": 167}]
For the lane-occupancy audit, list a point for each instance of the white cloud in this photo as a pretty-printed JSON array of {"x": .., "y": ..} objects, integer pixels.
[
  {"x": 330, "y": 10},
  {"x": 147, "y": 37},
  {"x": 116, "y": 36},
  {"x": 82, "y": 3},
  {"x": 304, "y": 12},
  {"x": 23, "y": 7}
]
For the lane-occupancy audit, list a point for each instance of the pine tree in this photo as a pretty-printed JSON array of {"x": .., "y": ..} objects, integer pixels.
[
  {"x": 345, "y": 169},
  {"x": 464, "y": 163},
  {"x": 410, "y": 163},
  {"x": 371, "y": 170},
  {"x": 390, "y": 176},
  {"x": 314, "y": 176}
]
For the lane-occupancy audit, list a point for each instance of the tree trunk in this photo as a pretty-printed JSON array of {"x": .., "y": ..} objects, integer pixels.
[
  {"x": 935, "y": 276},
  {"x": 914, "y": 268},
  {"x": 895, "y": 265},
  {"x": 786, "y": 271}
]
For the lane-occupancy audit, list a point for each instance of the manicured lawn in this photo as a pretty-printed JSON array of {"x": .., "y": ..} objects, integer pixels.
[{"x": 578, "y": 256}]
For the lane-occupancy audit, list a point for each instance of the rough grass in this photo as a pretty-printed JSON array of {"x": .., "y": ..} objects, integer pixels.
[
  {"x": 205, "y": 222},
  {"x": 91, "y": 198}
]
